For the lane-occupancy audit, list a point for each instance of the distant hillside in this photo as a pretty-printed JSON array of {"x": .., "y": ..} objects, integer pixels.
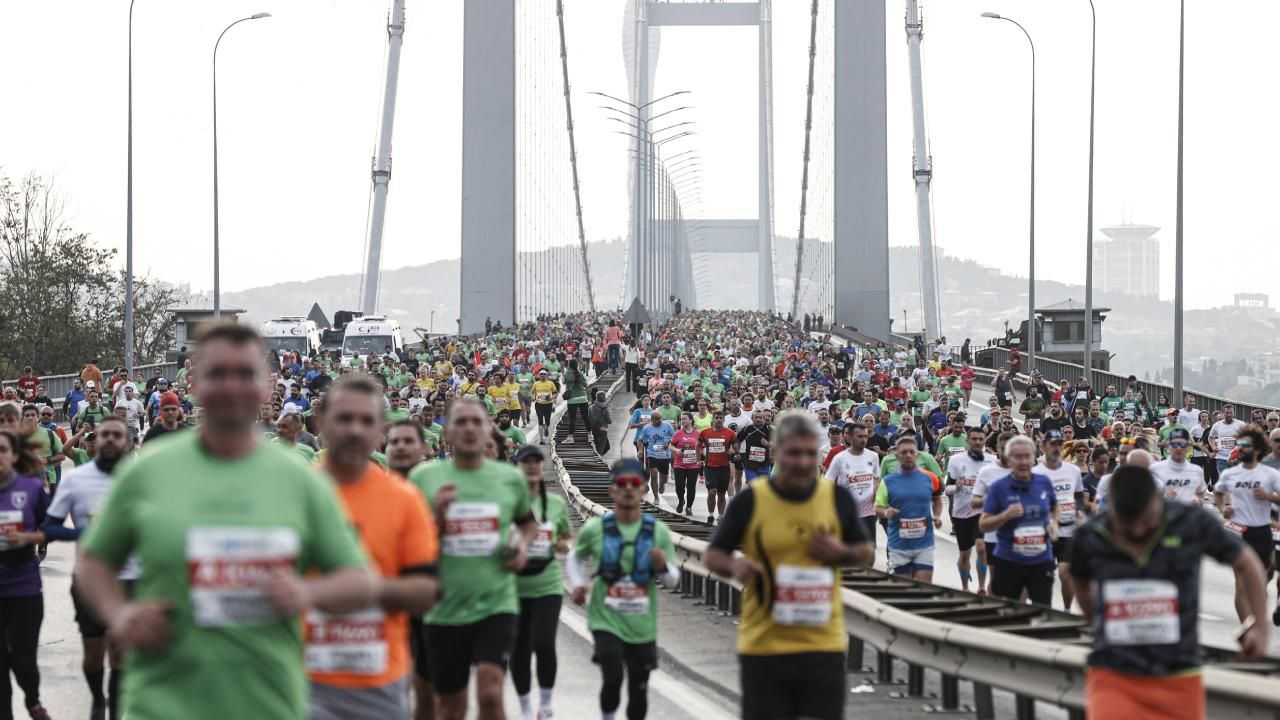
[{"x": 977, "y": 300}]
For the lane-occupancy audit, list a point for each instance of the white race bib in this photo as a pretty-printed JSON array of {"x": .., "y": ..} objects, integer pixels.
[
  {"x": 716, "y": 445},
  {"x": 1141, "y": 612},
  {"x": 227, "y": 570},
  {"x": 802, "y": 595},
  {"x": 757, "y": 454},
  {"x": 626, "y": 598},
  {"x": 1235, "y": 527},
  {"x": 659, "y": 447},
  {"x": 1029, "y": 540},
  {"x": 912, "y": 528},
  {"x": 1067, "y": 512},
  {"x": 471, "y": 529},
  {"x": 689, "y": 456},
  {"x": 10, "y": 522},
  {"x": 541, "y": 546},
  {"x": 354, "y": 643}
]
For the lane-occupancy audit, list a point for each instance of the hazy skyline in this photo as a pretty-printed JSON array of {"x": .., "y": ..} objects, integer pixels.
[{"x": 299, "y": 101}]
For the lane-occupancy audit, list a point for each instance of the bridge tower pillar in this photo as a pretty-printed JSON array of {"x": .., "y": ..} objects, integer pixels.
[
  {"x": 861, "y": 187},
  {"x": 488, "y": 164}
]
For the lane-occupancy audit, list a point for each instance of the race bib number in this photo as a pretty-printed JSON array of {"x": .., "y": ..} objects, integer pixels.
[
  {"x": 355, "y": 643},
  {"x": 1008, "y": 396},
  {"x": 955, "y": 450},
  {"x": 863, "y": 487},
  {"x": 1029, "y": 540},
  {"x": 1226, "y": 443},
  {"x": 659, "y": 447},
  {"x": 716, "y": 446},
  {"x": 228, "y": 568},
  {"x": 544, "y": 398},
  {"x": 626, "y": 598},
  {"x": 802, "y": 595},
  {"x": 471, "y": 529},
  {"x": 1141, "y": 612},
  {"x": 757, "y": 454},
  {"x": 1235, "y": 527},
  {"x": 689, "y": 457},
  {"x": 541, "y": 546},
  {"x": 10, "y": 522},
  {"x": 912, "y": 528},
  {"x": 1067, "y": 512}
]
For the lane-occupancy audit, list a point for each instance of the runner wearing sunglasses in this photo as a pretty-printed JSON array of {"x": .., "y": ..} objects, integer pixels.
[
  {"x": 631, "y": 551},
  {"x": 1244, "y": 495},
  {"x": 1183, "y": 480}
]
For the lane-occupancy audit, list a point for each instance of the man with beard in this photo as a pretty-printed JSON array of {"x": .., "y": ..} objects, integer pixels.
[
  {"x": 79, "y": 496},
  {"x": 353, "y": 674},
  {"x": 1244, "y": 495},
  {"x": 507, "y": 428}
]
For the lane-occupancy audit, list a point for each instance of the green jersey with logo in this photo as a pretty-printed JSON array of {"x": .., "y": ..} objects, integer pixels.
[
  {"x": 623, "y": 609},
  {"x": 551, "y": 526}
]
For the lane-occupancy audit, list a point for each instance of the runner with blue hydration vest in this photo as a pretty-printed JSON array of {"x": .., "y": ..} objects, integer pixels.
[{"x": 630, "y": 551}]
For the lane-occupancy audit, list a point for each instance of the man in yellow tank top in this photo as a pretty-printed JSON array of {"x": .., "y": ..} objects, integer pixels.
[{"x": 795, "y": 530}]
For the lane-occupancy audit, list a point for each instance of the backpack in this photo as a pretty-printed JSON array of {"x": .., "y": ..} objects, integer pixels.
[{"x": 610, "y": 568}]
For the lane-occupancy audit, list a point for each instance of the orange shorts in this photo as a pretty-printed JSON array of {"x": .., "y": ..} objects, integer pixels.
[{"x": 1111, "y": 695}]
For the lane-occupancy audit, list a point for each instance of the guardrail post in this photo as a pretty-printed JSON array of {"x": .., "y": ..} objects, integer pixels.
[
  {"x": 1024, "y": 707},
  {"x": 984, "y": 706},
  {"x": 722, "y": 597},
  {"x": 1075, "y": 714},
  {"x": 853, "y": 657},
  {"x": 735, "y": 601},
  {"x": 710, "y": 598},
  {"x": 915, "y": 680},
  {"x": 951, "y": 693},
  {"x": 884, "y": 667}
]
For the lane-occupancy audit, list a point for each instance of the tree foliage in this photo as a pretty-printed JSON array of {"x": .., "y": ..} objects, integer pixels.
[{"x": 62, "y": 295}]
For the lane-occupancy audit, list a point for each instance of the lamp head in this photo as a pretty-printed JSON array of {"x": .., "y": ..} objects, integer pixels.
[
  {"x": 259, "y": 16},
  {"x": 992, "y": 15}
]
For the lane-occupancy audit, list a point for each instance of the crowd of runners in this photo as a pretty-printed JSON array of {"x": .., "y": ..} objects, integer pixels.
[{"x": 264, "y": 536}]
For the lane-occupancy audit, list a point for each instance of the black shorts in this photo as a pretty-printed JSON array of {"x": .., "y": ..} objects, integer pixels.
[
  {"x": 1259, "y": 538},
  {"x": 810, "y": 685},
  {"x": 635, "y": 656},
  {"x": 869, "y": 528},
  {"x": 418, "y": 646},
  {"x": 663, "y": 466},
  {"x": 1062, "y": 550},
  {"x": 453, "y": 649},
  {"x": 86, "y": 619},
  {"x": 967, "y": 533},
  {"x": 1009, "y": 579},
  {"x": 717, "y": 478}
]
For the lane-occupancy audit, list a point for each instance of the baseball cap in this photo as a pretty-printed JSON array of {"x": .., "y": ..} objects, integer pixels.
[
  {"x": 530, "y": 451},
  {"x": 1179, "y": 433},
  {"x": 626, "y": 467},
  {"x": 1054, "y": 435}
]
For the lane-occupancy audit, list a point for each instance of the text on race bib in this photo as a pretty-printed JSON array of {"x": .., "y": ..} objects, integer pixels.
[
  {"x": 716, "y": 445},
  {"x": 1067, "y": 512},
  {"x": 802, "y": 595},
  {"x": 354, "y": 643},
  {"x": 626, "y": 598},
  {"x": 228, "y": 568},
  {"x": 10, "y": 522},
  {"x": 757, "y": 454},
  {"x": 1141, "y": 612},
  {"x": 1029, "y": 540},
  {"x": 541, "y": 546},
  {"x": 689, "y": 456},
  {"x": 912, "y": 528},
  {"x": 471, "y": 529}
]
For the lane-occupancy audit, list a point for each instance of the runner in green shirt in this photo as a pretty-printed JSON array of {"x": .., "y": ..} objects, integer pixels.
[
  {"x": 667, "y": 410},
  {"x": 476, "y": 502},
  {"x": 225, "y": 526},
  {"x": 540, "y": 590},
  {"x": 631, "y": 551},
  {"x": 511, "y": 431},
  {"x": 954, "y": 442}
]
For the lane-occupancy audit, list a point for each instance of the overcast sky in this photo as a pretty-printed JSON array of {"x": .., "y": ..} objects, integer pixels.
[{"x": 299, "y": 107}]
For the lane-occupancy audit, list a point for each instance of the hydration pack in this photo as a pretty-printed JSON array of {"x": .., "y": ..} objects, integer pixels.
[{"x": 610, "y": 569}]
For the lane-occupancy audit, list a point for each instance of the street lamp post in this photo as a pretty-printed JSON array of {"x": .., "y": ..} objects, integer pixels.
[
  {"x": 128, "y": 213},
  {"x": 1031, "y": 280},
  {"x": 217, "y": 284},
  {"x": 1088, "y": 261},
  {"x": 1177, "y": 244}
]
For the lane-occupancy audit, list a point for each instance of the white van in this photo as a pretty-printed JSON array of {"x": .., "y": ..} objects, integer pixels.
[
  {"x": 291, "y": 333},
  {"x": 371, "y": 334}
]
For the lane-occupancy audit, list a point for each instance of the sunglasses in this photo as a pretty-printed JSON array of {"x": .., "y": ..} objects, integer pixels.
[
  {"x": 1178, "y": 443},
  {"x": 634, "y": 481},
  {"x": 1244, "y": 443}
]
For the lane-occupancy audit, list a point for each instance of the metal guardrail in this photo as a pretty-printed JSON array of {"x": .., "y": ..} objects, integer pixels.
[
  {"x": 57, "y": 386},
  {"x": 1056, "y": 370},
  {"x": 1036, "y": 653}
]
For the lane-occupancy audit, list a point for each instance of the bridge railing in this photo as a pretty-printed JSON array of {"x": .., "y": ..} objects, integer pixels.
[
  {"x": 57, "y": 386},
  {"x": 1055, "y": 371}
]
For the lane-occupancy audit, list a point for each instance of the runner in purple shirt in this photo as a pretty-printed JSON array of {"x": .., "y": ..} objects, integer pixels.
[{"x": 23, "y": 504}]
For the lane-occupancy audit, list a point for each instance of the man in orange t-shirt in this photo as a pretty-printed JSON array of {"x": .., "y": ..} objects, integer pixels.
[{"x": 359, "y": 664}]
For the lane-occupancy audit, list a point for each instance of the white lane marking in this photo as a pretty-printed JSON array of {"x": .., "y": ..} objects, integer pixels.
[
  {"x": 680, "y": 694},
  {"x": 1211, "y": 618}
]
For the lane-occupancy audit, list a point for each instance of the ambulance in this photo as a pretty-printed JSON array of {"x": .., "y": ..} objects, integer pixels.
[
  {"x": 370, "y": 334},
  {"x": 291, "y": 333}
]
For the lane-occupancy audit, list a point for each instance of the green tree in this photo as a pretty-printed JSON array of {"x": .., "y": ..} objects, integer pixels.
[{"x": 61, "y": 296}]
